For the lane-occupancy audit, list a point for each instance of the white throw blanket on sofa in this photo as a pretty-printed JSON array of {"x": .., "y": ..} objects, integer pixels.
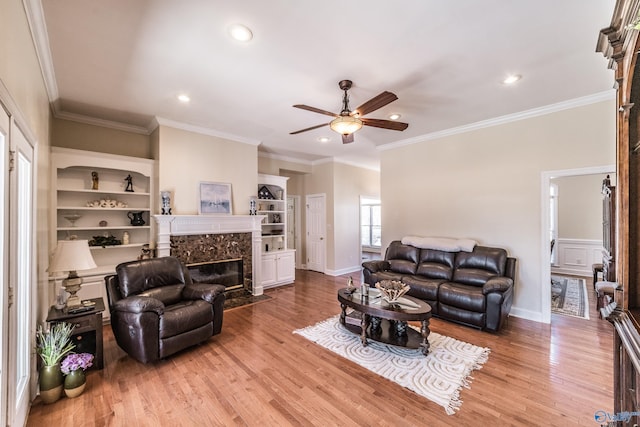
[{"x": 440, "y": 243}]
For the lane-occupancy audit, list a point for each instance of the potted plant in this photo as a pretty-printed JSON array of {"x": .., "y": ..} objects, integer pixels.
[
  {"x": 73, "y": 366},
  {"x": 52, "y": 346}
]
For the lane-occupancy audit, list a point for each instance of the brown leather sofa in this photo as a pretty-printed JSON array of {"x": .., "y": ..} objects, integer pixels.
[
  {"x": 474, "y": 288},
  {"x": 156, "y": 310}
]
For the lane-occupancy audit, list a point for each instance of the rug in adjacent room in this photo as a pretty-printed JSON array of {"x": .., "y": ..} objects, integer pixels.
[
  {"x": 572, "y": 298},
  {"x": 439, "y": 376}
]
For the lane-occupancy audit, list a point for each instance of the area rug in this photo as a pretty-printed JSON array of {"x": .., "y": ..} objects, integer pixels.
[
  {"x": 572, "y": 299},
  {"x": 439, "y": 376}
]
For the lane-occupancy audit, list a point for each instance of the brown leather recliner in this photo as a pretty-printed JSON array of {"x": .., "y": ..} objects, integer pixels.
[{"x": 156, "y": 310}]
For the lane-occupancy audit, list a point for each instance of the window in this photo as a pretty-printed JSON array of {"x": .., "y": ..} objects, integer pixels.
[{"x": 370, "y": 223}]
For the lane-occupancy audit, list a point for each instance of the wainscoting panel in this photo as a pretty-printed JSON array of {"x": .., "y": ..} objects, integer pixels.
[{"x": 575, "y": 256}]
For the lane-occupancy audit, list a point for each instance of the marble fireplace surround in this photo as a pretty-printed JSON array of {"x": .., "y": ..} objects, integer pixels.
[{"x": 239, "y": 232}]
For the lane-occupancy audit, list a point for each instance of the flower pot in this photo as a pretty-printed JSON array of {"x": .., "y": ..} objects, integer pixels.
[
  {"x": 50, "y": 381},
  {"x": 74, "y": 383}
]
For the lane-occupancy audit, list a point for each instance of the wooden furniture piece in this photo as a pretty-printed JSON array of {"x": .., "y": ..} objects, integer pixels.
[
  {"x": 597, "y": 269},
  {"x": 87, "y": 334},
  {"x": 385, "y": 322},
  {"x": 278, "y": 262},
  {"x": 620, "y": 43},
  {"x": 93, "y": 187}
]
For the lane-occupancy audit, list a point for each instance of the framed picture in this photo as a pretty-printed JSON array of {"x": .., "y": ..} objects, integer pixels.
[{"x": 215, "y": 198}]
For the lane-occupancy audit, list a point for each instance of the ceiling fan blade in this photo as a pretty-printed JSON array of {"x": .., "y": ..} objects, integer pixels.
[
  {"x": 385, "y": 124},
  {"x": 311, "y": 128},
  {"x": 315, "y": 110},
  {"x": 376, "y": 102},
  {"x": 347, "y": 138}
]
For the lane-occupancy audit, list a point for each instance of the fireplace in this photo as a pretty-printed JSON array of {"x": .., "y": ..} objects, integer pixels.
[
  {"x": 225, "y": 272},
  {"x": 197, "y": 240}
]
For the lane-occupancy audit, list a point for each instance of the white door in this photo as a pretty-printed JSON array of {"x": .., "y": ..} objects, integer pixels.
[
  {"x": 4, "y": 260},
  {"x": 316, "y": 232},
  {"x": 22, "y": 276}
]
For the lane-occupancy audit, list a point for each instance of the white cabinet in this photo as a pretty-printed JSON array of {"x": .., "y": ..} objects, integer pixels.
[
  {"x": 278, "y": 268},
  {"x": 92, "y": 200},
  {"x": 278, "y": 263}
]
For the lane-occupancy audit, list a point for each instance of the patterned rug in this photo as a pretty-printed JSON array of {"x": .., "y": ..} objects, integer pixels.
[
  {"x": 439, "y": 376},
  {"x": 570, "y": 297}
]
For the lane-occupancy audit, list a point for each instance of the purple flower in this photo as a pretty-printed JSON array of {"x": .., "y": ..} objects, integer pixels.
[{"x": 75, "y": 361}]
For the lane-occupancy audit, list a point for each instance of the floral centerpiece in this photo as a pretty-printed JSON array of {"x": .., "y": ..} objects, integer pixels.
[
  {"x": 392, "y": 289},
  {"x": 73, "y": 366}
]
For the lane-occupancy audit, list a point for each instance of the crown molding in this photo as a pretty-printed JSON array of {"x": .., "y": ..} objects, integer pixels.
[
  {"x": 38, "y": 28},
  {"x": 206, "y": 131},
  {"x": 509, "y": 118},
  {"x": 81, "y": 118}
]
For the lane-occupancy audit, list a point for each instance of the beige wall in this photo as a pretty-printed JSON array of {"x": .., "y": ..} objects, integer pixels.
[
  {"x": 486, "y": 184},
  {"x": 349, "y": 184},
  {"x": 187, "y": 158},
  {"x": 580, "y": 206},
  {"x": 20, "y": 75},
  {"x": 82, "y": 136},
  {"x": 271, "y": 166}
]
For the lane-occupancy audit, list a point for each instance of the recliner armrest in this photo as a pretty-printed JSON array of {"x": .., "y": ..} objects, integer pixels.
[
  {"x": 204, "y": 291},
  {"x": 377, "y": 265},
  {"x": 139, "y": 304},
  {"x": 497, "y": 284}
]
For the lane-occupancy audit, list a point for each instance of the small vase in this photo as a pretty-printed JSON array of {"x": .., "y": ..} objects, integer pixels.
[
  {"x": 50, "y": 381},
  {"x": 74, "y": 383}
]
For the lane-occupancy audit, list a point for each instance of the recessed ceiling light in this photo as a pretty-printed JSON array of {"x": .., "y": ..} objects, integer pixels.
[
  {"x": 394, "y": 116},
  {"x": 184, "y": 98},
  {"x": 240, "y": 32},
  {"x": 324, "y": 139},
  {"x": 511, "y": 79}
]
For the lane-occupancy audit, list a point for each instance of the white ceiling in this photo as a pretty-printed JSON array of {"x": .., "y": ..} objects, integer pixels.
[{"x": 126, "y": 61}]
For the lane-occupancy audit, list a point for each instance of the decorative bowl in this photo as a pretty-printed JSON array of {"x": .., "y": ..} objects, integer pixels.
[{"x": 392, "y": 290}]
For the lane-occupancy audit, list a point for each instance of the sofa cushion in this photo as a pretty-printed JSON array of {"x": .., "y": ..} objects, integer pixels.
[
  {"x": 423, "y": 288},
  {"x": 475, "y": 268},
  {"x": 436, "y": 264},
  {"x": 185, "y": 316},
  {"x": 137, "y": 276},
  {"x": 169, "y": 294},
  {"x": 402, "y": 258},
  {"x": 467, "y": 297}
]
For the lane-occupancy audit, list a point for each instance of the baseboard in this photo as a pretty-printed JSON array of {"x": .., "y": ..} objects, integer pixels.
[
  {"x": 535, "y": 316},
  {"x": 342, "y": 271}
]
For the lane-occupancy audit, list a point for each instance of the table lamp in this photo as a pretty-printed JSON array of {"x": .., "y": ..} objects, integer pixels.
[{"x": 71, "y": 256}]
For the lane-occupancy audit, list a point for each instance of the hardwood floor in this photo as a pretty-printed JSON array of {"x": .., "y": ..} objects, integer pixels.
[{"x": 257, "y": 372}]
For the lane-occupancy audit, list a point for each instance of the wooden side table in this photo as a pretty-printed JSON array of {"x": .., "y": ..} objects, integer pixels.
[{"x": 87, "y": 334}]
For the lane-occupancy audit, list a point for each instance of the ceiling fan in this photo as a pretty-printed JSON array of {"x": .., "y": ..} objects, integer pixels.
[{"x": 348, "y": 122}]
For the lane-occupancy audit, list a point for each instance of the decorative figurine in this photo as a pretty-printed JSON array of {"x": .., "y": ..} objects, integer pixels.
[
  {"x": 145, "y": 252},
  {"x": 94, "y": 180},
  {"x": 129, "y": 187},
  {"x": 125, "y": 238},
  {"x": 252, "y": 206},
  {"x": 166, "y": 202}
]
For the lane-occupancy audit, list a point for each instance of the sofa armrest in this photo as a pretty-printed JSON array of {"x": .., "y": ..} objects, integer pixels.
[
  {"x": 139, "y": 304},
  {"x": 497, "y": 284},
  {"x": 204, "y": 291},
  {"x": 377, "y": 265}
]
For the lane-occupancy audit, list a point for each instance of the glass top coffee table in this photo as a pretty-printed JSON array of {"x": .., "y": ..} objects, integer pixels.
[{"x": 373, "y": 318}]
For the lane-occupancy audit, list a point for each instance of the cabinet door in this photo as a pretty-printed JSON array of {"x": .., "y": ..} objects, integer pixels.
[
  {"x": 286, "y": 267},
  {"x": 268, "y": 270}
]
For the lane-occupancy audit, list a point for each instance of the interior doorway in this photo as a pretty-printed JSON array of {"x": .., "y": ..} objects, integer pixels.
[
  {"x": 545, "y": 268},
  {"x": 294, "y": 232},
  {"x": 316, "y": 232}
]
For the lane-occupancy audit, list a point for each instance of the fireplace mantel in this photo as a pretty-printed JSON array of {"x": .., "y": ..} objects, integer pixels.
[{"x": 181, "y": 225}]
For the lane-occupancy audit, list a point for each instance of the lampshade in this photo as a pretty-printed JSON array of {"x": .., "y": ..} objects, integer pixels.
[
  {"x": 72, "y": 255},
  {"x": 345, "y": 125}
]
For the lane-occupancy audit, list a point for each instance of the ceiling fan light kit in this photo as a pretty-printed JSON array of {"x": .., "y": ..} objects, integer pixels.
[
  {"x": 345, "y": 125},
  {"x": 348, "y": 121}
]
